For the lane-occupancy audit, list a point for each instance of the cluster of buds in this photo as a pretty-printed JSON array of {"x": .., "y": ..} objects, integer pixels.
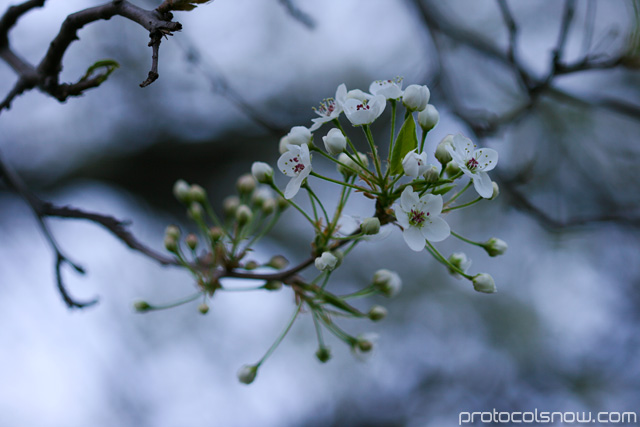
[{"x": 410, "y": 194}]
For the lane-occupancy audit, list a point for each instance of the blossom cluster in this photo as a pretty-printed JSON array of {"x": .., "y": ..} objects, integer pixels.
[{"x": 414, "y": 192}]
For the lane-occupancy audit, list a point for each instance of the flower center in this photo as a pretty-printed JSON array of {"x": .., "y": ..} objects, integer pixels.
[
  {"x": 472, "y": 164},
  {"x": 362, "y": 106},
  {"x": 417, "y": 218},
  {"x": 297, "y": 165}
]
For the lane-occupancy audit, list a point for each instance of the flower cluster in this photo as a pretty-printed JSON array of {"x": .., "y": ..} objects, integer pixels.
[{"x": 412, "y": 194}]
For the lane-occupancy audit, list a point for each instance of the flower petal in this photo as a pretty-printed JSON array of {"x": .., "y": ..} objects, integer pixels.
[
  {"x": 414, "y": 238},
  {"x": 408, "y": 199},
  {"x": 436, "y": 230},
  {"x": 463, "y": 146},
  {"x": 487, "y": 158},
  {"x": 432, "y": 204},
  {"x": 482, "y": 184},
  {"x": 401, "y": 215},
  {"x": 293, "y": 186}
]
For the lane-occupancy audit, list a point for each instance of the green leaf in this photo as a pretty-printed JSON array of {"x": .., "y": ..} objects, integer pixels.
[
  {"x": 406, "y": 141},
  {"x": 109, "y": 64}
]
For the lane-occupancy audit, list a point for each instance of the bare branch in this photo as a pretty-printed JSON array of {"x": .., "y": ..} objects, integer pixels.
[{"x": 298, "y": 14}]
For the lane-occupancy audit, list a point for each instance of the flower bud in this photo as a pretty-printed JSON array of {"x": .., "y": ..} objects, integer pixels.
[
  {"x": 260, "y": 196},
  {"x": 195, "y": 211},
  {"x": 247, "y": 374},
  {"x": 495, "y": 246},
  {"x": 215, "y": 233},
  {"x": 283, "y": 147},
  {"x": 496, "y": 190},
  {"x": 243, "y": 215},
  {"x": 334, "y": 142},
  {"x": 442, "y": 154},
  {"x": 171, "y": 243},
  {"x": 197, "y": 194},
  {"x": 278, "y": 262},
  {"x": 416, "y": 97},
  {"x": 377, "y": 312},
  {"x": 460, "y": 261},
  {"x": 181, "y": 191},
  {"x": 251, "y": 265},
  {"x": 273, "y": 285},
  {"x": 326, "y": 262},
  {"x": 141, "y": 306},
  {"x": 370, "y": 226},
  {"x": 484, "y": 283},
  {"x": 172, "y": 231},
  {"x": 351, "y": 167},
  {"x": 282, "y": 203},
  {"x": 269, "y": 206},
  {"x": 192, "y": 241},
  {"x": 428, "y": 118},
  {"x": 230, "y": 205},
  {"x": 299, "y": 135},
  {"x": 452, "y": 169},
  {"x": 388, "y": 282},
  {"x": 364, "y": 343},
  {"x": 323, "y": 354},
  {"x": 246, "y": 184},
  {"x": 262, "y": 172},
  {"x": 432, "y": 174},
  {"x": 203, "y": 308}
]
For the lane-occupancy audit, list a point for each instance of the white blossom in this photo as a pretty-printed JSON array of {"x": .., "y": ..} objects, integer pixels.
[
  {"x": 474, "y": 163},
  {"x": 334, "y": 141},
  {"x": 391, "y": 89},
  {"x": 364, "y": 111},
  {"x": 330, "y": 108},
  {"x": 420, "y": 218},
  {"x": 415, "y": 164},
  {"x": 295, "y": 163}
]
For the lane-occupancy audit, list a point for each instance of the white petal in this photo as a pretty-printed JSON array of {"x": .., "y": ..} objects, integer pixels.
[
  {"x": 305, "y": 157},
  {"x": 482, "y": 184},
  {"x": 463, "y": 146},
  {"x": 401, "y": 216},
  {"x": 436, "y": 230},
  {"x": 341, "y": 95},
  {"x": 432, "y": 203},
  {"x": 487, "y": 158},
  {"x": 285, "y": 161},
  {"x": 410, "y": 164},
  {"x": 414, "y": 238},
  {"x": 408, "y": 199},
  {"x": 293, "y": 186}
]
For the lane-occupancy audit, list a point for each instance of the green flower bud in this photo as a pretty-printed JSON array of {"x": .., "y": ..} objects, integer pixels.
[
  {"x": 195, "y": 211},
  {"x": 260, "y": 196},
  {"x": 192, "y": 241},
  {"x": 278, "y": 262},
  {"x": 484, "y": 283},
  {"x": 251, "y": 265},
  {"x": 269, "y": 206},
  {"x": 348, "y": 167},
  {"x": 282, "y": 203},
  {"x": 323, "y": 354},
  {"x": 495, "y": 246},
  {"x": 273, "y": 285},
  {"x": 247, "y": 374},
  {"x": 326, "y": 262},
  {"x": 246, "y": 184},
  {"x": 452, "y": 169},
  {"x": 172, "y": 231},
  {"x": 141, "y": 306},
  {"x": 432, "y": 174},
  {"x": 460, "y": 261},
  {"x": 262, "y": 172},
  {"x": 203, "y": 308},
  {"x": 197, "y": 194},
  {"x": 442, "y": 154},
  {"x": 388, "y": 282},
  {"x": 370, "y": 226},
  {"x": 181, "y": 191},
  {"x": 377, "y": 312},
  {"x": 215, "y": 233},
  {"x": 496, "y": 190},
  {"x": 364, "y": 344},
  {"x": 243, "y": 215},
  {"x": 230, "y": 205},
  {"x": 171, "y": 243}
]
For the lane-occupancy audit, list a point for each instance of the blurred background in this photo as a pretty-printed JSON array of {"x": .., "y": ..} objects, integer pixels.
[{"x": 552, "y": 85}]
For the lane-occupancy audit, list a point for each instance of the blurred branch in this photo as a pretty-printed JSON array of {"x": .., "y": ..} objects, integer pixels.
[
  {"x": 43, "y": 209},
  {"x": 45, "y": 76},
  {"x": 298, "y": 14}
]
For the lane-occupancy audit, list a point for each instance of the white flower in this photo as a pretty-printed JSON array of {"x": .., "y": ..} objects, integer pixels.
[
  {"x": 365, "y": 111},
  {"x": 416, "y": 97},
  {"x": 428, "y": 118},
  {"x": 484, "y": 283},
  {"x": 334, "y": 141},
  {"x": 391, "y": 89},
  {"x": 359, "y": 95},
  {"x": 474, "y": 163},
  {"x": 330, "y": 108},
  {"x": 388, "y": 282},
  {"x": 415, "y": 164},
  {"x": 295, "y": 163},
  {"x": 262, "y": 172},
  {"x": 326, "y": 262},
  {"x": 420, "y": 218}
]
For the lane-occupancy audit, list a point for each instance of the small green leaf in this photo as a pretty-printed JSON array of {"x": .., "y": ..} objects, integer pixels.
[
  {"x": 109, "y": 64},
  {"x": 406, "y": 141},
  {"x": 443, "y": 190}
]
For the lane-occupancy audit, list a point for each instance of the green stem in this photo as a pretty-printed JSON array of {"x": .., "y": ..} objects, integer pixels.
[
  {"x": 424, "y": 137},
  {"x": 281, "y": 337},
  {"x": 346, "y": 184},
  {"x": 292, "y": 203},
  {"x": 463, "y": 206},
  {"x": 471, "y": 242},
  {"x": 312, "y": 194},
  {"x": 459, "y": 193},
  {"x": 434, "y": 252},
  {"x": 177, "y": 303},
  {"x": 374, "y": 151}
]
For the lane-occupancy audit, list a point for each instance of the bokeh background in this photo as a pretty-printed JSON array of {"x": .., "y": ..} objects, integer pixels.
[{"x": 561, "y": 334}]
